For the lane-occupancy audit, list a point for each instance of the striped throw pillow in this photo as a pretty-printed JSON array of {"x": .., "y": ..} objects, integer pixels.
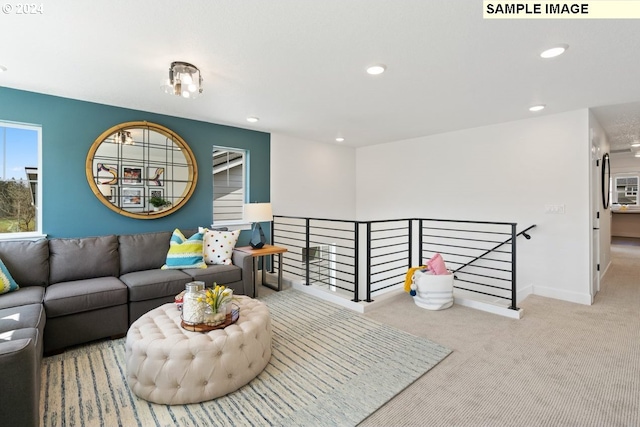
[
  {"x": 185, "y": 253},
  {"x": 7, "y": 284}
]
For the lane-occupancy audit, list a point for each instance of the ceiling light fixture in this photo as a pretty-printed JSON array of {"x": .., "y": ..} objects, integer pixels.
[
  {"x": 374, "y": 70},
  {"x": 184, "y": 80},
  {"x": 636, "y": 144},
  {"x": 537, "y": 108},
  {"x": 554, "y": 51},
  {"x": 637, "y": 154},
  {"x": 3, "y": 68},
  {"x": 339, "y": 139},
  {"x": 252, "y": 119}
]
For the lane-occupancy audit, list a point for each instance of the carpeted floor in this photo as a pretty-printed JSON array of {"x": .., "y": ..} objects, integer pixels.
[
  {"x": 330, "y": 367},
  {"x": 563, "y": 364}
]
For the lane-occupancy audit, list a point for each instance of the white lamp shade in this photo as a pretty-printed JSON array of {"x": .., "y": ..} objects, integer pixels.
[{"x": 258, "y": 212}]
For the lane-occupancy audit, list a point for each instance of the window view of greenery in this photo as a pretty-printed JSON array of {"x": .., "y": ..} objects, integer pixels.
[{"x": 19, "y": 179}]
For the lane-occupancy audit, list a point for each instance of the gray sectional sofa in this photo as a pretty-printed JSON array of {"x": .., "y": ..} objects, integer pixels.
[{"x": 73, "y": 291}]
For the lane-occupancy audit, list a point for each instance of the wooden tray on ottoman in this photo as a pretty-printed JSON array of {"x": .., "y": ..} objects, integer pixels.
[{"x": 205, "y": 327}]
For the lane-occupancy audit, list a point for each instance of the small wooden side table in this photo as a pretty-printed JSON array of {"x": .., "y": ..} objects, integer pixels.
[{"x": 262, "y": 252}]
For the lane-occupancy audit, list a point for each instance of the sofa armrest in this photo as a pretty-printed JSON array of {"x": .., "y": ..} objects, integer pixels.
[
  {"x": 20, "y": 385},
  {"x": 245, "y": 262}
]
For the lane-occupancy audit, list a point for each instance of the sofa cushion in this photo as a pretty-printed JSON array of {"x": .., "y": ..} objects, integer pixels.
[
  {"x": 143, "y": 251},
  {"x": 185, "y": 253},
  {"x": 23, "y": 296},
  {"x": 220, "y": 274},
  {"x": 32, "y": 273},
  {"x": 7, "y": 284},
  {"x": 151, "y": 284},
  {"x": 26, "y": 316},
  {"x": 218, "y": 246},
  {"x": 85, "y": 258},
  {"x": 65, "y": 298}
]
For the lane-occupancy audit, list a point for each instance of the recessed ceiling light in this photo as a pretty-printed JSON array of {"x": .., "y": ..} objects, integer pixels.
[
  {"x": 252, "y": 119},
  {"x": 377, "y": 69},
  {"x": 638, "y": 154},
  {"x": 339, "y": 139},
  {"x": 636, "y": 144},
  {"x": 3, "y": 68},
  {"x": 554, "y": 51},
  {"x": 537, "y": 108}
]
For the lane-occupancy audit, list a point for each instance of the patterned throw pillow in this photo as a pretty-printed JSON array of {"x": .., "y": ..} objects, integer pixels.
[
  {"x": 7, "y": 284},
  {"x": 218, "y": 246},
  {"x": 185, "y": 253}
]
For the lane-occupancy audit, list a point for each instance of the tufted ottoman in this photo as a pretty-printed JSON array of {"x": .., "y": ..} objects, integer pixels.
[{"x": 170, "y": 365}]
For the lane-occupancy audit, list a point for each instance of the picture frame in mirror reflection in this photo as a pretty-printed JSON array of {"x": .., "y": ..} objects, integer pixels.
[
  {"x": 155, "y": 176},
  {"x": 133, "y": 197},
  {"x": 131, "y": 175}
]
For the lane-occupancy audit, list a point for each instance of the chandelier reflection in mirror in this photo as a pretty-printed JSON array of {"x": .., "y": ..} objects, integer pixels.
[
  {"x": 123, "y": 137},
  {"x": 141, "y": 170},
  {"x": 184, "y": 80}
]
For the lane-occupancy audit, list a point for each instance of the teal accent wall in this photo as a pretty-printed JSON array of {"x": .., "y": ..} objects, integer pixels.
[{"x": 69, "y": 127}]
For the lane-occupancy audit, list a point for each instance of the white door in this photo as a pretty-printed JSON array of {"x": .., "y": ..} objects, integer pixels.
[{"x": 596, "y": 200}]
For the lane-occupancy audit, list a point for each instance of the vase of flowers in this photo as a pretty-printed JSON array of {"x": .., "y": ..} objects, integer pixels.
[{"x": 216, "y": 300}]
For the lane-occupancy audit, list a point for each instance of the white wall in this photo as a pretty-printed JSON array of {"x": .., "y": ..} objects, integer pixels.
[
  {"x": 506, "y": 172},
  {"x": 311, "y": 179}
]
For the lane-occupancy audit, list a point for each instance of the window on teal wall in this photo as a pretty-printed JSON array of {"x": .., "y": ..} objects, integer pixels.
[
  {"x": 20, "y": 180},
  {"x": 229, "y": 185}
]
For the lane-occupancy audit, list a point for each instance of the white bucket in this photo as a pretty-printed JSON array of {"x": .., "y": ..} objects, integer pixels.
[{"x": 433, "y": 292}]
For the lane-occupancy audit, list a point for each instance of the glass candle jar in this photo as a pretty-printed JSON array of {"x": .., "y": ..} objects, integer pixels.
[{"x": 193, "y": 304}]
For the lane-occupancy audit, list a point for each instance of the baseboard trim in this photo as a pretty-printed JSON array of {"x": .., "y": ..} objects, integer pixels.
[{"x": 576, "y": 297}]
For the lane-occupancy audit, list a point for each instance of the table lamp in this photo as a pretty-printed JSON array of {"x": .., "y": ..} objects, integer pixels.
[{"x": 257, "y": 213}]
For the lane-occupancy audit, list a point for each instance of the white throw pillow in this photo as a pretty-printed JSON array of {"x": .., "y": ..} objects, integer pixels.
[{"x": 218, "y": 246}]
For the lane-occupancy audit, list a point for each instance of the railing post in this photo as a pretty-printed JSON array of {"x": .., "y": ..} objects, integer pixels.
[
  {"x": 369, "y": 262},
  {"x": 513, "y": 268},
  {"x": 356, "y": 275},
  {"x": 420, "y": 241},
  {"x": 308, "y": 238},
  {"x": 273, "y": 237},
  {"x": 410, "y": 230}
]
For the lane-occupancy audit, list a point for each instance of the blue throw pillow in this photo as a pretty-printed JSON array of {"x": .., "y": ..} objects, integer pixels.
[
  {"x": 185, "y": 253},
  {"x": 7, "y": 284}
]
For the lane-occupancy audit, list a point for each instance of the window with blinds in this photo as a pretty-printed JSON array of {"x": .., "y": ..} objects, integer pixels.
[{"x": 229, "y": 185}]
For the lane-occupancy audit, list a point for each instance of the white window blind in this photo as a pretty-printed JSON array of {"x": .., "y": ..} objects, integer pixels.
[{"x": 229, "y": 184}]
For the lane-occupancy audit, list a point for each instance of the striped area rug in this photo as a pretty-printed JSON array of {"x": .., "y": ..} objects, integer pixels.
[{"x": 330, "y": 367}]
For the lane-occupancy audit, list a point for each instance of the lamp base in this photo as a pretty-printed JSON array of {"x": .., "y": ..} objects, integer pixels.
[{"x": 257, "y": 237}]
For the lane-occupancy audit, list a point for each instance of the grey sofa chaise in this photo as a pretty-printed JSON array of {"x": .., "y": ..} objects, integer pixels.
[{"x": 73, "y": 291}]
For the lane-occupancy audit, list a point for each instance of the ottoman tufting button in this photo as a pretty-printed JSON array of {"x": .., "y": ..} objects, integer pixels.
[{"x": 229, "y": 376}]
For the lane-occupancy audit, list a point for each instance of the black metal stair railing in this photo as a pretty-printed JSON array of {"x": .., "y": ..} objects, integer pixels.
[
  {"x": 331, "y": 253},
  {"x": 482, "y": 260}
]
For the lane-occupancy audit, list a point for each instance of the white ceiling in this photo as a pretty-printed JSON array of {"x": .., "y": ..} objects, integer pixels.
[{"x": 300, "y": 65}]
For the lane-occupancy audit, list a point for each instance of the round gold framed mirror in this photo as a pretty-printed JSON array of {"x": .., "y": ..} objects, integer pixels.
[{"x": 141, "y": 170}]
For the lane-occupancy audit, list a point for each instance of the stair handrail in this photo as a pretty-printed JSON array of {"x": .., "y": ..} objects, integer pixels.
[{"x": 522, "y": 233}]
